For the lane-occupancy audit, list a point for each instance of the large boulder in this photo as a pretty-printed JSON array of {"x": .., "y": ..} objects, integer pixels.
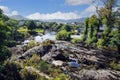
[{"x": 40, "y": 50}]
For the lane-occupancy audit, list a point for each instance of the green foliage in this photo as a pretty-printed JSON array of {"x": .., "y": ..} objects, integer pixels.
[
  {"x": 33, "y": 61},
  {"x": 30, "y": 75},
  {"x": 86, "y": 23},
  {"x": 39, "y": 30},
  {"x": 77, "y": 40},
  {"x": 43, "y": 67},
  {"x": 47, "y": 42},
  {"x": 32, "y": 25},
  {"x": 10, "y": 71},
  {"x": 23, "y": 29},
  {"x": 100, "y": 42},
  {"x": 11, "y": 43},
  {"x": 4, "y": 52},
  {"x": 66, "y": 27},
  {"x": 115, "y": 66},
  {"x": 62, "y": 77},
  {"x": 31, "y": 44},
  {"x": 63, "y": 35}
]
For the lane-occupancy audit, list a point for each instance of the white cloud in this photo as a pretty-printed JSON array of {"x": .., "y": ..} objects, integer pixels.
[
  {"x": 14, "y": 13},
  {"x": 88, "y": 11},
  {"x": 56, "y": 15},
  {"x": 77, "y": 2},
  {"x": 4, "y": 8}
]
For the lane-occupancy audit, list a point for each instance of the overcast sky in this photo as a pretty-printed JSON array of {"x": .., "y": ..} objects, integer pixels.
[{"x": 48, "y": 9}]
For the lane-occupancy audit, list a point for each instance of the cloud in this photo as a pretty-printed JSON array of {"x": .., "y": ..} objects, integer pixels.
[
  {"x": 77, "y": 2},
  {"x": 14, "y": 13},
  {"x": 56, "y": 15},
  {"x": 4, "y": 8},
  {"x": 88, "y": 11}
]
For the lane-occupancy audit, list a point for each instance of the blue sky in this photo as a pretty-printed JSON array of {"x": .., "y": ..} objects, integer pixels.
[{"x": 48, "y": 9}]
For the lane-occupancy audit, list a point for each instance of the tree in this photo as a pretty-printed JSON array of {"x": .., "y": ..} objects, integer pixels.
[
  {"x": 115, "y": 40},
  {"x": 106, "y": 13},
  {"x": 63, "y": 35},
  {"x": 94, "y": 25},
  {"x": 66, "y": 27},
  {"x": 86, "y": 22},
  {"x": 32, "y": 25},
  {"x": 4, "y": 53}
]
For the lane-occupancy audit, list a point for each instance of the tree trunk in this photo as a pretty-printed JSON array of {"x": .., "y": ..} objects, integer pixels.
[{"x": 119, "y": 49}]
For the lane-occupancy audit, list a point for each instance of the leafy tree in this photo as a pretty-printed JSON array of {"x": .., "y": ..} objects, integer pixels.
[
  {"x": 106, "y": 13},
  {"x": 66, "y": 27},
  {"x": 63, "y": 35},
  {"x": 32, "y": 25},
  {"x": 4, "y": 53},
  {"x": 86, "y": 23},
  {"x": 93, "y": 28}
]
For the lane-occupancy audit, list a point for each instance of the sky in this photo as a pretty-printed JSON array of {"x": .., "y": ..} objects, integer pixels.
[{"x": 48, "y": 9}]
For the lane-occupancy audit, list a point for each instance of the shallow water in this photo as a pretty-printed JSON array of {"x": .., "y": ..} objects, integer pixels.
[
  {"x": 50, "y": 36},
  {"x": 44, "y": 37},
  {"x": 73, "y": 64}
]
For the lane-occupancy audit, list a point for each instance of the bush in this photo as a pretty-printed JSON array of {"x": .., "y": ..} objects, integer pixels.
[
  {"x": 47, "y": 42},
  {"x": 31, "y": 44},
  {"x": 100, "y": 43},
  {"x": 76, "y": 40},
  {"x": 30, "y": 75},
  {"x": 10, "y": 71},
  {"x": 11, "y": 43},
  {"x": 63, "y": 35},
  {"x": 114, "y": 66},
  {"x": 33, "y": 61},
  {"x": 62, "y": 77},
  {"x": 44, "y": 67},
  {"x": 4, "y": 54}
]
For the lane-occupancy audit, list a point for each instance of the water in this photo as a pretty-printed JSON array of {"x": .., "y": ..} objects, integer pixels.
[
  {"x": 73, "y": 64},
  {"x": 76, "y": 36},
  {"x": 50, "y": 36}
]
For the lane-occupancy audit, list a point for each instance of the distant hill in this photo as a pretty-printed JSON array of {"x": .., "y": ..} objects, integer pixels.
[
  {"x": 65, "y": 21},
  {"x": 79, "y": 20},
  {"x": 17, "y": 17}
]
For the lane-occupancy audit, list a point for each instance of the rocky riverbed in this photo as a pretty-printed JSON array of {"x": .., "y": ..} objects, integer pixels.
[{"x": 76, "y": 60}]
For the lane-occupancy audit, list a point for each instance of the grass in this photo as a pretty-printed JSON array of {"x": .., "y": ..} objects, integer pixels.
[
  {"x": 23, "y": 29},
  {"x": 39, "y": 30}
]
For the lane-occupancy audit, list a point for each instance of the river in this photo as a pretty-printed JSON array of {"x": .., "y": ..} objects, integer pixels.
[{"x": 49, "y": 35}]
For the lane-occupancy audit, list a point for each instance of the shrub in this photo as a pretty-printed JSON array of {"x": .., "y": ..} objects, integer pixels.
[
  {"x": 10, "y": 71},
  {"x": 33, "y": 61},
  {"x": 114, "y": 65},
  {"x": 30, "y": 75},
  {"x": 100, "y": 43},
  {"x": 47, "y": 42},
  {"x": 62, "y": 77},
  {"x": 11, "y": 43},
  {"x": 44, "y": 67},
  {"x": 31, "y": 44},
  {"x": 4, "y": 54},
  {"x": 63, "y": 35},
  {"x": 76, "y": 40}
]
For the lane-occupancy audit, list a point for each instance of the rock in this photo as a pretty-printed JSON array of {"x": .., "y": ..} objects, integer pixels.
[
  {"x": 17, "y": 50},
  {"x": 57, "y": 63},
  {"x": 40, "y": 50},
  {"x": 61, "y": 52},
  {"x": 99, "y": 74}
]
